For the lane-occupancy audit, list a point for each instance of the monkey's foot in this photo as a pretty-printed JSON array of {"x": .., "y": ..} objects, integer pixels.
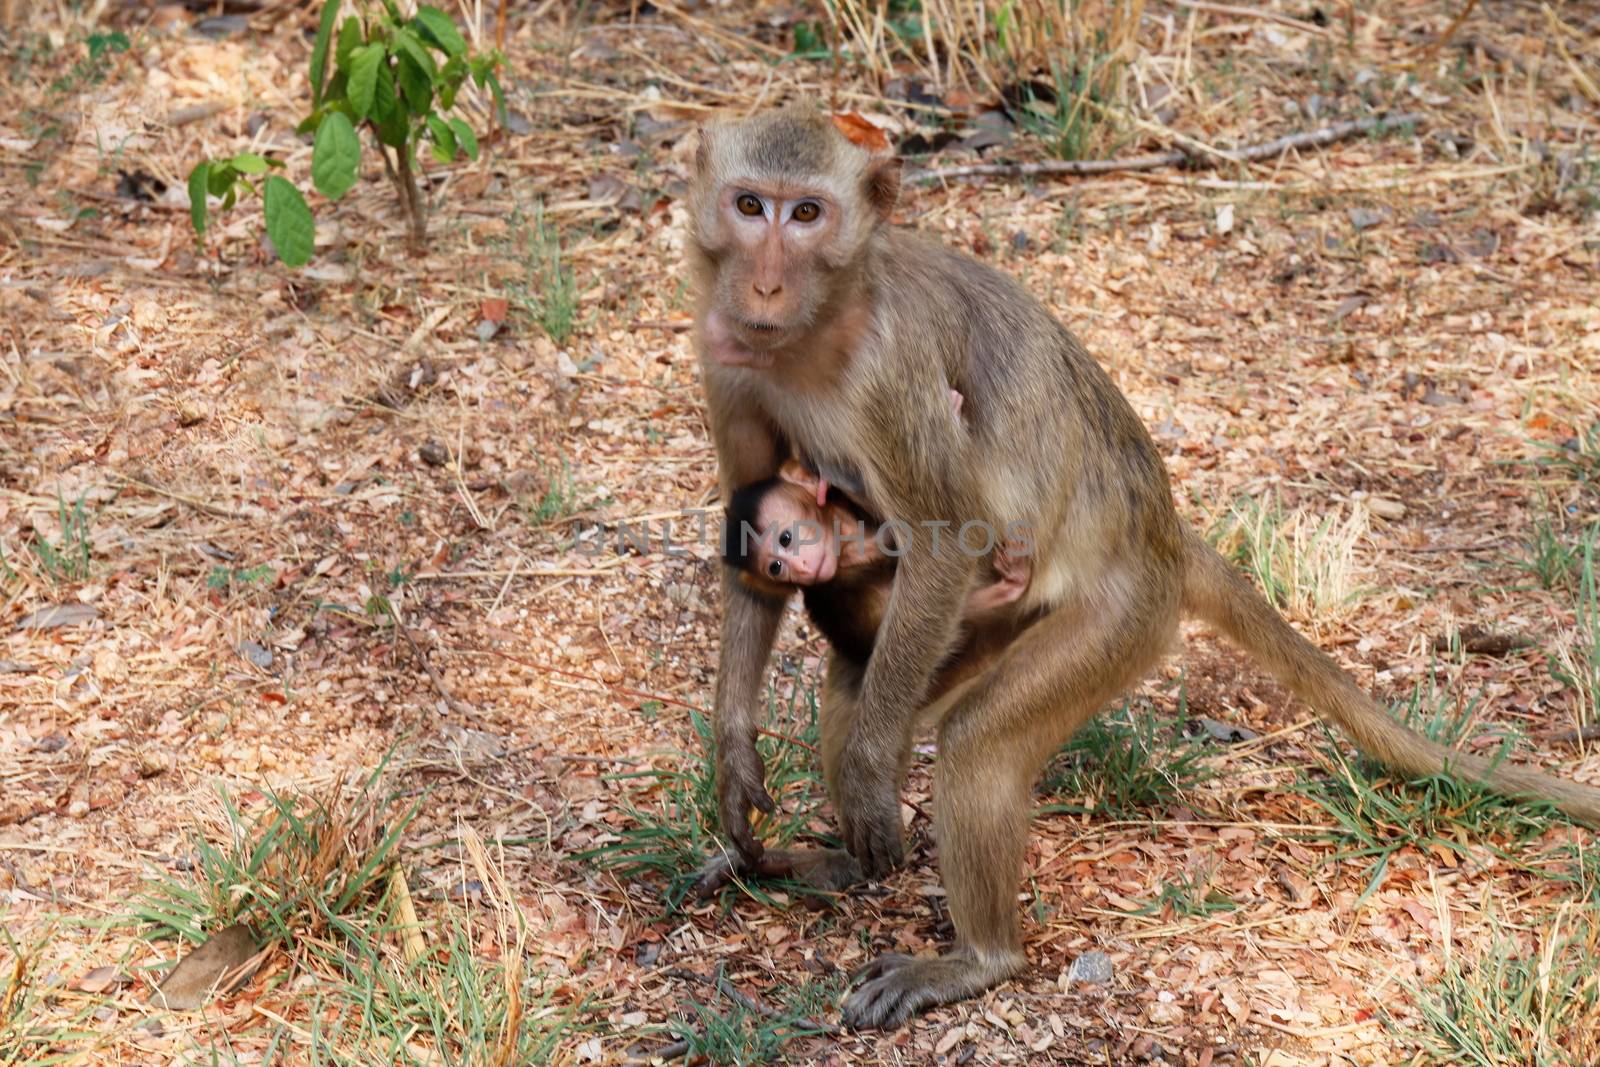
[
  {"x": 894, "y": 987},
  {"x": 829, "y": 869}
]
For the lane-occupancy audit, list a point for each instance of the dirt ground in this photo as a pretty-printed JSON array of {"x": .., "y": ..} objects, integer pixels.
[{"x": 310, "y": 522}]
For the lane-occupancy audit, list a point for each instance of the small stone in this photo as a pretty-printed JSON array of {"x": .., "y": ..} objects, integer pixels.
[
  {"x": 152, "y": 763},
  {"x": 486, "y": 329},
  {"x": 1091, "y": 967},
  {"x": 1385, "y": 508},
  {"x": 1363, "y": 218},
  {"x": 257, "y": 655},
  {"x": 433, "y": 454},
  {"x": 192, "y": 413}
]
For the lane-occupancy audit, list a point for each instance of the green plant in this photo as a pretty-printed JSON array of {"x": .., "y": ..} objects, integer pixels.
[
  {"x": 746, "y": 1036},
  {"x": 1067, "y": 117},
  {"x": 222, "y": 578},
  {"x": 318, "y": 879},
  {"x": 35, "y": 1024},
  {"x": 559, "y": 499},
  {"x": 1577, "y": 459},
  {"x": 289, "y": 871},
  {"x": 1125, "y": 762},
  {"x": 67, "y": 560},
  {"x": 92, "y": 68},
  {"x": 1575, "y": 660},
  {"x": 392, "y": 76},
  {"x": 1550, "y": 555},
  {"x": 1190, "y": 896},
  {"x": 548, "y": 289}
]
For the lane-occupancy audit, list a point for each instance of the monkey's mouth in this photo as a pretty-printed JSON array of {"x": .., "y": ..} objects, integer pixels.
[{"x": 760, "y": 335}]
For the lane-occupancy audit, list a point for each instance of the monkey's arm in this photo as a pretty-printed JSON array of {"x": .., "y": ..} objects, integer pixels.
[
  {"x": 747, "y": 450},
  {"x": 926, "y": 478}
]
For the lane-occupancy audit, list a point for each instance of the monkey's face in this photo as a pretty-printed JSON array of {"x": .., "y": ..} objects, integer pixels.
[
  {"x": 781, "y": 207},
  {"x": 796, "y": 542},
  {"x": 771, "y": 278}
]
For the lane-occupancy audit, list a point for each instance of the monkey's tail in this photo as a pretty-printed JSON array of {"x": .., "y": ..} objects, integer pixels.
[{"x": 1213, "y": 590}]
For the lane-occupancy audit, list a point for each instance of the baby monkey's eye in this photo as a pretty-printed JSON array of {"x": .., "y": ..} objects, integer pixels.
[
  {"x": 748, "y": 204},
  {"x": 785, "y": 537},
  {"x": 807, "y": 211},
  {"x": 775, "y": 569}
]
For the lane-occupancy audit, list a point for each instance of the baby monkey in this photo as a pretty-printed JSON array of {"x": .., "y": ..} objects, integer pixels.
[{"x": 794, "y": 530}]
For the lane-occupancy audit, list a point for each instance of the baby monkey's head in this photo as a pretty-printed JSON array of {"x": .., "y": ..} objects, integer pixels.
[{"x": 776, "y": 533}]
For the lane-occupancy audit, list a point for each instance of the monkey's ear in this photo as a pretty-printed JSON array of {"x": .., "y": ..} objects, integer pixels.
[
  {"x": 796, "y": 473},
  {"x": 702, "y": 149},
  {"x": 883, "y": 184}
]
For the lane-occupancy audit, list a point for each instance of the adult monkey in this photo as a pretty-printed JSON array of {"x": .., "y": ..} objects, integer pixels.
[{"x": 824, "y": 332}]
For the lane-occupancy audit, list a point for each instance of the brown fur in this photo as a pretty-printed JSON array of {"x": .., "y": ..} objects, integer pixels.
[{"x": 851, "y": 366}]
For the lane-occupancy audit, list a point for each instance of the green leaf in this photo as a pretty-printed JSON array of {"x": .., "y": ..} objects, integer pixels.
[
  {"x": 415, "y": 86},
  {"x": 386, "y": 103},
  {"x": 364, "y": 64},
  {"x": 454, "y": 71},
  {"x": 444, "y": 142},
  {"x": 249, "y": 163},
  {"x": 349, "y": 41},
  {"x": 289, "y": 221},
  {"x": 199, "y": 178},
  {"x": 499, "y": 97},
  {"x": 319, "y": 50},
  {"x": 389, "y": 114},
  {"x": 221, "y": 178},
  {"x": 465, "y": 138},
  {"x": 336, "y": 158},
  {"x": 440, "y": 29},
  {"x": 405, "y": 43}
]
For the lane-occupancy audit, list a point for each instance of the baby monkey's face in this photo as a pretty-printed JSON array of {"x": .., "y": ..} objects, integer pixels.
[{"x": 797, "y": 544}]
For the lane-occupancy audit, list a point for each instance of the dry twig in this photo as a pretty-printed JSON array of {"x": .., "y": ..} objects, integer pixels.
[{"x": 1176, "y": 157}]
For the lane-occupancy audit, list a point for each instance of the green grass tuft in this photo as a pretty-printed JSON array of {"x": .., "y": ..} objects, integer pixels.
[
  {"x": 1126, "y": 762},
  {"x": 548, "y": 289},
  {"x": 68, "y": 559},
  {"x": 379, "y": 980},
  {"x": 1531, "y": 1000},
  {"x": 740, "y": 1036}
]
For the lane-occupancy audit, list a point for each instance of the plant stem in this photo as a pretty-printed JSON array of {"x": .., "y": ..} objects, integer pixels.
[{"x": 405, "y": 184}]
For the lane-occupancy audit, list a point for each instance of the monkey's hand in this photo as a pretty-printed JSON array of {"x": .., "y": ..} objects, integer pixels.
[
  {"x": 740, "y": 787},
  {"x": 869, "y": 810}
]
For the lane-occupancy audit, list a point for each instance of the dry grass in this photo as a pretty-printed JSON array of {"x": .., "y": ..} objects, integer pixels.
[{"x": 308, "y": 519}]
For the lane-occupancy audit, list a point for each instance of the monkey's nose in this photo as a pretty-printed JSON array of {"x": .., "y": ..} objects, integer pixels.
[{"x": 768, "y": 288}]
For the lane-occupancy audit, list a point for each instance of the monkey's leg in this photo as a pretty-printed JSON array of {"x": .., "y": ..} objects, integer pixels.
[
  {"x": 831, "y": 869},
  {"x": 992, "y": 745}
]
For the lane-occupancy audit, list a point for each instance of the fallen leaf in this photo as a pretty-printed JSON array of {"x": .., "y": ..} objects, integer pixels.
[
  {"x": 192, "y": 982},
  {"x": 100, "y": 979},
  {"x": 58, "y": 615},
  {"x": 859, "y": 131}
]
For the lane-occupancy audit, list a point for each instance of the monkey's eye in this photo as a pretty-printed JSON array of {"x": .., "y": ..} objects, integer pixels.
[
  {"x": 785, "y": 537},
  {"x": 806, "y": 211},
  {"x": 775, "y": 569},
  {"x": 748, "y": 204}
]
